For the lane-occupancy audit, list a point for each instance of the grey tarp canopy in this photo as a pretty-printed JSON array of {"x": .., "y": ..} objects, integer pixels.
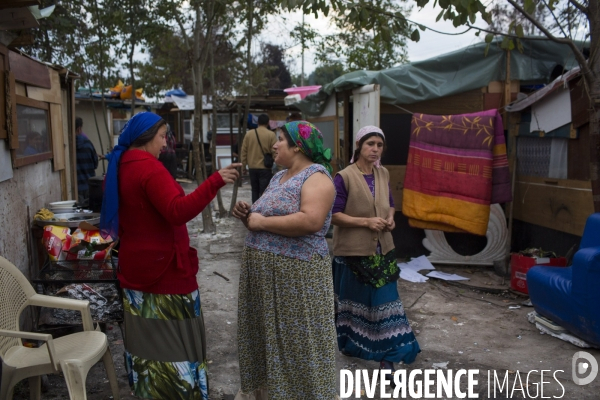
[{"x": 456, "y": 72}]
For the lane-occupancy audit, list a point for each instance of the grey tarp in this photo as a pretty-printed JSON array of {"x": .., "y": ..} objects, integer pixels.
[{"x": 456, "y": 72}]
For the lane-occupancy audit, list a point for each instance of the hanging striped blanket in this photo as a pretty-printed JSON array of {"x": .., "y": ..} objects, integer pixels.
[{"x": 457, "y": 167}]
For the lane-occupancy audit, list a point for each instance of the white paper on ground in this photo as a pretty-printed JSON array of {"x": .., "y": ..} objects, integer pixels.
[
  {"x": 417, "y": 264},
  {"x": 446, "y": 277},
  {"x": 411, "y": 275}
]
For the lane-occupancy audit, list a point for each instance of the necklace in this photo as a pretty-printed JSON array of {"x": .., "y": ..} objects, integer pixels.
[{"x": 360, "y": 170}]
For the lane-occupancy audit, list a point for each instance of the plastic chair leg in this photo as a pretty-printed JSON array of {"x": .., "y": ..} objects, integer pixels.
[
  {"x": 6, "y": 383},
  {"x": 35, "y": 387},
  {"x": 112, "y": 375},
  {"x": 75, "y": 374}
]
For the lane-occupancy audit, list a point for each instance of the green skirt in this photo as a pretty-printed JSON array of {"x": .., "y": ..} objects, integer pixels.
[
  {"x": 165, "y": 345},
  {"x": 286, "y": 328}
]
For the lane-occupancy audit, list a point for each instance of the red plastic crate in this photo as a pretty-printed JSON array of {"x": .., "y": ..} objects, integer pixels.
[{"x": 519, "y": 265}]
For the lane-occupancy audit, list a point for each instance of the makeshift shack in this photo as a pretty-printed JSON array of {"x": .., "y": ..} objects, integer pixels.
[
  {"x": 464, "y": 81},
  {"x": 553, "y": 193},
  {"x": 37, "y": 148}
]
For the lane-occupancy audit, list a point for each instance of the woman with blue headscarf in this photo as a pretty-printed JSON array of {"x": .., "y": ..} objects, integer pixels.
[
  {"x": 286, "y": 331},
  {"x": 147, "y": 210}
]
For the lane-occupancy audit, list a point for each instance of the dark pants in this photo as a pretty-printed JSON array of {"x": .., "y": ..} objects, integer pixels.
[{"x": 259, "y": 180}]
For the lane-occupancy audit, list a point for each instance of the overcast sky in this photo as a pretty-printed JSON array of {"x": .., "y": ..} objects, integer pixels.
[{"x": 430, "y": 45}]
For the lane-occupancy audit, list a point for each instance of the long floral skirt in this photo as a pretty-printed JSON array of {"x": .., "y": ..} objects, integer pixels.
[
  {"x": 286, "y": 331},
  {"x": 371, "y": 323},
  {"x": 165, "y": 345}
]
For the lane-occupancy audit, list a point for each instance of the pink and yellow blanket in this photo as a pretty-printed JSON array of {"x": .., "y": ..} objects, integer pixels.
[{"x": 457, "y": 167}]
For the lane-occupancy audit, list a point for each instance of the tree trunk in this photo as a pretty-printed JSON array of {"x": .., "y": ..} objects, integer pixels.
[
  {"x": 594, "y": 88},
  {"x": 96, "y": 122},
  {"x": 249, "y": 93},
  {"x": 213, "y": 141},
  {"x": 198, "y": 151},
  {"x": 101, "y": 67}
]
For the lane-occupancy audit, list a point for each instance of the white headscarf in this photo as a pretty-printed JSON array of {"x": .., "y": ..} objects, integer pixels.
[{"x": 365, "y": 130}]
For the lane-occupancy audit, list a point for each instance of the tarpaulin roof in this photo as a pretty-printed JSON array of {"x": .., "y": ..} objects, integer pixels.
[{"x": 452, "y": 73}]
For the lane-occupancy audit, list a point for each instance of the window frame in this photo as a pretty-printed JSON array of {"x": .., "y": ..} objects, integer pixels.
[{"x": 35, "y": 158}]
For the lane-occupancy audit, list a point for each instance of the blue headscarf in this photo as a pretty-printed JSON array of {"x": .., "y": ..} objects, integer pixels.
[{"x": 133, "y": 129}]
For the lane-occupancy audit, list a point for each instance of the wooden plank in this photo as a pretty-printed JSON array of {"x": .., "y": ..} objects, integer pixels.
[
  {"x": 20, "y": 89},
  {"x": 556, "y": 207},
  {"x": 568, "y": 183},
  {"x": 3, "y": 87},
  {"x": 467, "y": 102},
  {"x": 580, "y": 103},
  {"x": 29, "y": 71},
  {"x": 397, "y": 173},
  {"x": 11, "y": 113},
  {"x": 58, "y": 142},
  {"x": 578, "y": 158},
  {"x": 51, "y": 95}
]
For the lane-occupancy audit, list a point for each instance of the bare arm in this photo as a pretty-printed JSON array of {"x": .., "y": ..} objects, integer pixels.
[
  {"x": 244, "y": 154},
  {"x": 317, "y": 197},
  {"x": 346, "y": 221}
]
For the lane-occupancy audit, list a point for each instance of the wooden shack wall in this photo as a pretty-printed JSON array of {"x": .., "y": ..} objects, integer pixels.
[{"x": 34, "y": 185}]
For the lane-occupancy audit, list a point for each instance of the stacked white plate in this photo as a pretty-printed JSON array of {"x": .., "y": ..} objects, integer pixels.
[{"x": 61, "y": 206}]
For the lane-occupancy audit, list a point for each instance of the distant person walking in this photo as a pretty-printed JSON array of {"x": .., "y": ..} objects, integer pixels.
[
  {"x": 87, "y": 162},
  {"x": 257, "y": 143}
]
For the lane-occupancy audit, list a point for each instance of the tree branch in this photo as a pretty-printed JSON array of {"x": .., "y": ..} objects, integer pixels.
[
  {"x": 555, "y": 18},
  {"x": 585, "y": 69},
  {"x": 579, "y": 6}
]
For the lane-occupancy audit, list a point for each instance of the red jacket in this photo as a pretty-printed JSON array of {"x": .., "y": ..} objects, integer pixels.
[{"x": 155, "y": 254}]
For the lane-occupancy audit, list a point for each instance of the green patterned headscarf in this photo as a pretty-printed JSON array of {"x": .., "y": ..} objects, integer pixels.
[{"x": 309, "y": 140}]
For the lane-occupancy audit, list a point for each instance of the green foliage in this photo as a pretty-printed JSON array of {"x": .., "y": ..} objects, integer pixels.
[{"x": 325, "y": 73}]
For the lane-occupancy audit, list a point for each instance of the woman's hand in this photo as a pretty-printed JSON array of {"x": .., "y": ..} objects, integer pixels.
[
  {"x": 376, "y": 224},
  {"x": 230, "y": 173},
  {"x": 241, "y": 210},
  {"x": 255, "y": 221},
  {"x": 390, "y": 224}
]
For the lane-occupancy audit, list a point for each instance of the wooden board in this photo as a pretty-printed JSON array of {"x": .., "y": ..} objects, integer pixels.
[
  {"x": 51, "y": 95},
  {"x": 563, "y": 205},
  {"x": 29, "y": 71},
  {"x": 467, "y": 102},
  {"x": 12, "y": 132},
  {"x": 397, "y": 173},
  {"x": 3, "y": 85},
  {"x": 578, "y": 158},
  {"x": 58, "y": 143},
  {"x": 580, "y": 103}
]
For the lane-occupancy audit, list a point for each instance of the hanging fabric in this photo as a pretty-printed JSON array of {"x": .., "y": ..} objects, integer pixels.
[{"x": 457, "y": 167}]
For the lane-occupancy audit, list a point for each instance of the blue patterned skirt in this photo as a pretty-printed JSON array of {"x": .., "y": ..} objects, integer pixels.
[{"x": 371, "y": 323}]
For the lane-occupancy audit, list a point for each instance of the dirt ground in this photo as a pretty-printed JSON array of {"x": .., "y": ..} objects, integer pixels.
[{"x": 469, "y": 326}]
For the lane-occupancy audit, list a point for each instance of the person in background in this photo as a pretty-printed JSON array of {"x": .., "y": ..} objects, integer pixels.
[
  {"x": 34, "y": 141},
  {"x": 253, "y": 155},
  {"x": 286, "y": 331},
  {"x": 167, "y": 154},
  {"x": 147, "y": 210},
  {"x": 370, "y": 319},
  {"x": 87, "y": 162},
  {"x": 295, "y": 116}
]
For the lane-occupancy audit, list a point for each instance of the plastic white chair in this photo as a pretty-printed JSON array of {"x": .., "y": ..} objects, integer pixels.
[{"x": 73, "y": 354}]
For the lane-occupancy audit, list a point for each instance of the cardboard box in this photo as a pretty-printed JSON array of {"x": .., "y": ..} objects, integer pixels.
[{"x": 520, "y": 264}]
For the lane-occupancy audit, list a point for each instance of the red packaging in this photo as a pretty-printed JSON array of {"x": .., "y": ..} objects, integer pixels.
[
  {"x": 53, "y": 239},
  {"x": 520, "y": 264}
]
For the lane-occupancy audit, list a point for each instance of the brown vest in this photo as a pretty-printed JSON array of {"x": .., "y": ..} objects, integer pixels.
[{"x": 360, "y": 203}]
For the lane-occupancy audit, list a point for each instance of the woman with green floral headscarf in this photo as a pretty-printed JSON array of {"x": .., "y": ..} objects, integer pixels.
[{"x": 286, "y": 331}]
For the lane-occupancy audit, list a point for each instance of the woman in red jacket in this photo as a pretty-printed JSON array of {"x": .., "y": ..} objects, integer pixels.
[{"x": 147, "y": 209}]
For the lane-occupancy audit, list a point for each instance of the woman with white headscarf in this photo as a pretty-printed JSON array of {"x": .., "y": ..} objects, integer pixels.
[{"x": 370, "y": 319}]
